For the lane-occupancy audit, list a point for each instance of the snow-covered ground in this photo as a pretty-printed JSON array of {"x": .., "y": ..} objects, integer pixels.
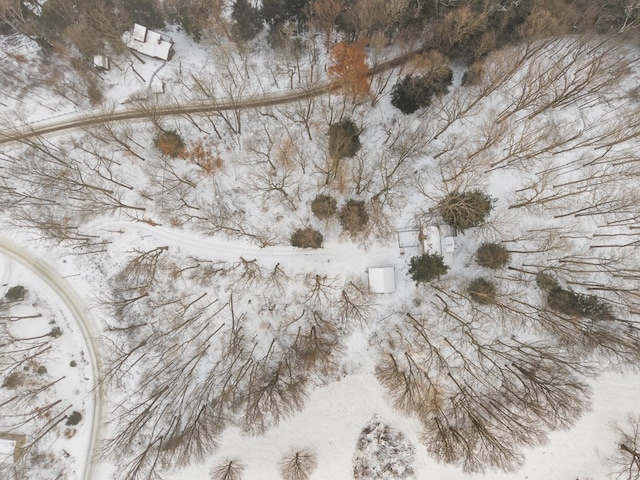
[
  {"x": 58, "y": 376},
  {"x": 125, "y": 222}
]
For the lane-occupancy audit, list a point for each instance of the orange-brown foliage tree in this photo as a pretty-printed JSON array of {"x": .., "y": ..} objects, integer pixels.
[
  {"x": 170, "y": 143},
  {"x": 202, "y": 155},
  {"x": 349, "y": 68}
]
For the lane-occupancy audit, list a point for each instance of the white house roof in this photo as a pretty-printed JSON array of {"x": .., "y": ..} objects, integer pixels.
[
  {"x": 101, "y": 61},
  {"x": 382, "y": 280},
  {"x": 7, "y": 449},
  {"x": 139, "y": 33},
  {"x": 149, "y": 43}
]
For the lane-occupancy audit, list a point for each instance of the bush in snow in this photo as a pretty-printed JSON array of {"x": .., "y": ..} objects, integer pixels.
[
  {"x": 568, "y": 302},
  {"x": 306, "y": 238},
  {"x": 464, "y": 210},
  {"x": 354, "y": 216},
  {"x": 492, "y": 255},
  {"x": 427, "y": 267},
  {"x": 344, "y": 139},
  {"x": 13, "y": 381},
  {"x": 382, "y": 453},
  {"x": 15, "y": 294},
  {"x": 324, "y": 206},
  {"x": 415, "y": 91},
  {"x": 298, "y": 465},
  {"x": 74, "y": 418},
  {"x": 55, "y": 332},
  {"x": 482, "y": 290},
  {"x": 170, "y": 143}
]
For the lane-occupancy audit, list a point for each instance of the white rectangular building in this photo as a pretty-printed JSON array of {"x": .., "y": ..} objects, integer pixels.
[
  {"x": 101, "y": 62},
  {"x": 382, "y": 280}
]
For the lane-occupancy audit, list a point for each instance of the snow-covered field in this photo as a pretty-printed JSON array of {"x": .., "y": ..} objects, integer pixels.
[{"x": 220, "y": 342}]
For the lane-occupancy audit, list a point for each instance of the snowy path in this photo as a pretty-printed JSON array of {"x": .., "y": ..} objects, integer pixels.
[
  {"x": 344, "y": 254},
  {"x": 79, "y": 313}
]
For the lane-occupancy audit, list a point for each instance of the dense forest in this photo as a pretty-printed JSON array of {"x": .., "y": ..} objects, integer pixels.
[{"x": 468, "y": 29}]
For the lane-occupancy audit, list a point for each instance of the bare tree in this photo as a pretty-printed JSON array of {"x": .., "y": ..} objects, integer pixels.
[
  {"x": 356, "y": 303},
  {"x": 275, "y": 390},
  {"x": 298, "y": 465},
  {"x": 229, "y": 470},
  {"x": 324, "y": 16},
  {"x": 625, "y": 463},
  {"x": 319, "y": 289},
  {"x": 479, "y": 397},
  {"x": 582, "y": 70},
  {"x": 232, "y": 84}
]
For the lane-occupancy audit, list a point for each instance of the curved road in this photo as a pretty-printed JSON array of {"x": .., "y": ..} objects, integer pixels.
[
  {"x": 75, "y": 306},
  {"x": 88, "y": 119}
]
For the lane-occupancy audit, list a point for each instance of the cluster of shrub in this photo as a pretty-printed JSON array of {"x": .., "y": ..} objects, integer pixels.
[
  {"x": 353, "y": 218},
  {"x": 463, "y": 210},
  {"x": 567, "y": 302},
  {"x": 344, "y": 142}
]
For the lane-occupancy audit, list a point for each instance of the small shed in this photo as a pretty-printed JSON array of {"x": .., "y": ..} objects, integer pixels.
[
  {"x": 101, "y": 62},
  {"x": 157, "y": 86},
  {"x": 382, "y": 279}
]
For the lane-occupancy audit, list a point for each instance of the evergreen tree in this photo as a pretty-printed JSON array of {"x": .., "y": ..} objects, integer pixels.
[
  {"x": 248, "y": 20},
  {"x": 427, "y": 267}
]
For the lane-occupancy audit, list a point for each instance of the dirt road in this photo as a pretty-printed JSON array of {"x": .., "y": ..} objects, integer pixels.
[{"x": 89, "y": 119}]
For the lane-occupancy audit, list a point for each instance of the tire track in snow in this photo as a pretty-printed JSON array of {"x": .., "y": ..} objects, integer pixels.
[{"x": 66, "y": 294}]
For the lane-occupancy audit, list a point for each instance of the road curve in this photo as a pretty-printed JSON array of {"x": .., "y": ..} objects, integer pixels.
[
  {"x": 89, "y": 119},
  {"x": 76, "y": 307}
]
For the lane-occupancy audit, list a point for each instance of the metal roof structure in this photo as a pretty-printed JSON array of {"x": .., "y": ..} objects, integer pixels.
[
  {"x": 150, "y": 43},
  {"x": 382, "y": 279}
]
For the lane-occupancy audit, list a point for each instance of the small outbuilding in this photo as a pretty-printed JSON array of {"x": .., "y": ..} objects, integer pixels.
[
  {"x": 157, "y": 86},
  {"x": 101, "y": 62},
  {"x": 382, "y": 279}
]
